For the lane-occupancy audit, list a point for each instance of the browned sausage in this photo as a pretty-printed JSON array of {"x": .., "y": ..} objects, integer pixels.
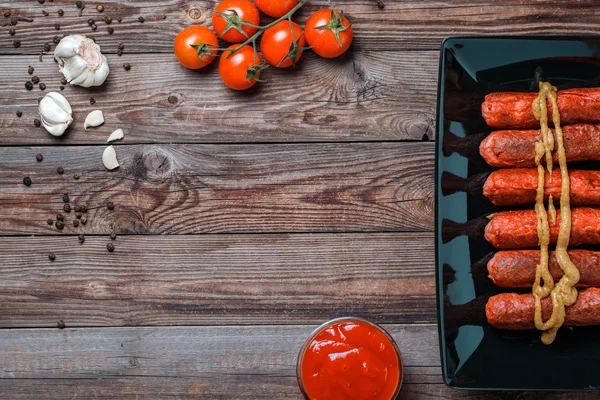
[
  {"x": 512, "y": 110},
  {"x": 516, "y": 186},
  {"x": 517, "y": 148},
  {"x": 518, "y": 229},
  {"x": 516, "y": 268},
  {"x": 516, "y": 311}
]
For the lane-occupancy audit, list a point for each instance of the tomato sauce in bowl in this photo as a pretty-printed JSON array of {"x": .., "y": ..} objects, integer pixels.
[{"x": 350, "y": 359}]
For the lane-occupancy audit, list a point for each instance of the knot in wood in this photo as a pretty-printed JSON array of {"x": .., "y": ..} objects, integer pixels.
[
  {"x": 194, "y": 13},
  {"x": 174, "y": 99}
]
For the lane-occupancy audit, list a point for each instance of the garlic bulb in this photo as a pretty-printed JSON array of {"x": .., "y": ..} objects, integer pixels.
[
  {"x": 81, "y": 61},
  {"x": 56, "y": 113},
  {"x": 109, "y": 158},
  {"x": 95, "y": 118}
]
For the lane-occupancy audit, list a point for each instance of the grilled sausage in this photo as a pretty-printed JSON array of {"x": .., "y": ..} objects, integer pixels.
[
  {"x": 516, "y": 311},
  {"x": 516, "y": 268},
  {"x": 518, "y": 229},
  {"x": 512, "y": 110},
  {"x": 516, "y": 148},
  {"x": 517, "y": 186}
]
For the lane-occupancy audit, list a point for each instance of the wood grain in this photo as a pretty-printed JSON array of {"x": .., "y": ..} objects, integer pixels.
[
  {"x": 180, "y": 189},
  {"x": 406, "y": 25},
  {"x": 362, "y": 96},
  {"x": 216, "y": 279},
  {"x": 199, "y": 362}
]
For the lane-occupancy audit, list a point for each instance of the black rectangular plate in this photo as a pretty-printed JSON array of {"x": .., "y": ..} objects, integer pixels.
[{"x": 475, "y": 355}]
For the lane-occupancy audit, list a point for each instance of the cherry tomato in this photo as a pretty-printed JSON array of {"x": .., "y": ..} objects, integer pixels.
[
  {"x": 241, "y": 70},
  {"x": 280, "y": 44},
  {"x": 329, "y": 33},
  {"x": 233, "y": 29},
  {"x": 196, "y": 47},
  {"x": 275, "y": 8}
]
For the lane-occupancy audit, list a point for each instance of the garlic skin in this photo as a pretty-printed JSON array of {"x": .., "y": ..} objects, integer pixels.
[
  {"x": 55, "y": 112},
  {"x": 116, "y": 135},
  {"x": 80, "y": 61},
  {"x": 109, "y": 158},
  {"x": 95, "y": 118}
]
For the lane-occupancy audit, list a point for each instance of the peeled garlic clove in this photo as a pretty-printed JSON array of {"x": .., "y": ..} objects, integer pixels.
[
  {"x": 109, "y": 158},
  {"x": 55, "y": 112},
  {"x": 116, "y": 135},
  {"x": 81, "y": 61},
  {"x": 95, "y": 118}
]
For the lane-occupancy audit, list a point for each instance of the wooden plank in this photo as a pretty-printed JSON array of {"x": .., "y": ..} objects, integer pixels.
[
  {"x": 365, "y": 96},
  {"x": 208, "y": 362},
  {"x": 216, "y": 279},
  {"x": 404, "y": 25},
  {"x": 180, "y": 189},
  {"x": 201, "y": 362}
]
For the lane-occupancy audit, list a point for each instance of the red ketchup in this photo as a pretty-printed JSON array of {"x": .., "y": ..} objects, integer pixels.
[{"x": 350, "y": 359}]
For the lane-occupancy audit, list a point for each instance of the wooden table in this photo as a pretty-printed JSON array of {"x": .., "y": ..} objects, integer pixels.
[{"x": 243, "y": 220}]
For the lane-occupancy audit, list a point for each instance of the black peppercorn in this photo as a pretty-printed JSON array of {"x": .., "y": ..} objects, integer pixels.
[
  {"x": 60, "y": 170},
  {"x": 12, "y": 32},
  {"x": 27, "y": 181},
  {"x": 6, "y": 13},
  {"x": 60, "y": 324},
  {"x": 78, "y": 215},
  {"x": 37, "y": 123},
  {"x": 63, "y": 81},
  {"x": 56, "y": 39},
  {"x": 141, "y": 19},
  {"x": 83, "y": 220},
  {"x": 120, "y": 52},
  {"x": 94, "y": 27},
  {"x": 41, "y": 1},
  {"x": 62, "y": 88},
  {"x": 47, "y": 47},
  {"x": 60, "y": 12},
  {"x": 110, "y": 247},
  {"x": 110, "y": 30},
  {"x": 121, "y": 46},
  {"x": 17, "y": 43},
  {"x": 76, "y": 177},
  {"x": 76, "y": 223},
  {"x": 113, "y": 236},
  {"x": 60, "y": 225},
  {"x": 35, "y": 80},
  {"x": 46, "y": 13},
  {"x": 77, "y": 208},
  {"x": 92, "y": 101},
  {"x": 57, "y": 27},
  {"x": 19, "y": 113},
  {"x": 78, "y": 4},
  {"x": 60, "y": 217},
  {"x": 107, "y": 20},
  {"x": 99, "y": 8},
  {"x": 81, "y": 238},
  {"x": 119, "y": 20},
  {"x": 67, "y": 208},
  {"x": 110, "y": 205},
  {"x": 39, "y": 157},
  {"x": 84, "y": 208},
  {"x": 65, "y": 198},
  {"x": 127, "y": 66},
  {"x": 43, "y": 86},
  {"x": 50, "y": 221},
  {"x": 51, "y": 257},
  {"x": 14, "y": 21},
  {"x": 30, "y": 70}
]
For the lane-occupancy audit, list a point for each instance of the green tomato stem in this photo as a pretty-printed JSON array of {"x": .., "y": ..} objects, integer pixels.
[{"x": 262, "y": 29}]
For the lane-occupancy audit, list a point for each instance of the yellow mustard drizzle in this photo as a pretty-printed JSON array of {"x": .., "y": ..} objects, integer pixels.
[{"x": 564, "y": 293}]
